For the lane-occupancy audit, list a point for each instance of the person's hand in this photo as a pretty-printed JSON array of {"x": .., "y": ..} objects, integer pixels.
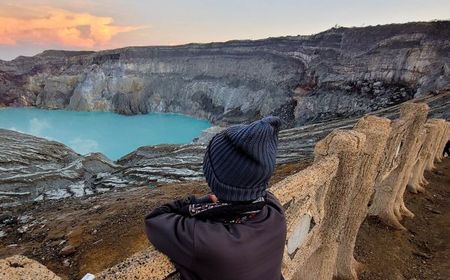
[{"x": 213, "y": 198}]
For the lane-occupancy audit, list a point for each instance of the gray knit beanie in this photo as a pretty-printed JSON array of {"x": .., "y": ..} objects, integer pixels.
[{"x": 240, "y": 160}]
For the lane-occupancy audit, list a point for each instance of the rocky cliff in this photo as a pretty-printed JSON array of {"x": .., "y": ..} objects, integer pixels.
[
  {"x": 341, "y": 72},
  {"x": 36, "y": 169}
]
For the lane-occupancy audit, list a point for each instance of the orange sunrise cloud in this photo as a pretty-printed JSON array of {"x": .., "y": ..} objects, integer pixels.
[{"x": 53, "y": 25}]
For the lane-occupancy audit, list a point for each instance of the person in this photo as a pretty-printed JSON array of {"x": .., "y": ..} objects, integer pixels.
[
  {"x": 238, "y": 230},
  {"x": 446, "y": 149}
]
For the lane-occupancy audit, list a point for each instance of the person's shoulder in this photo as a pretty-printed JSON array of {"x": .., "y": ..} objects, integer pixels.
[{"x": 272, "y": 201}]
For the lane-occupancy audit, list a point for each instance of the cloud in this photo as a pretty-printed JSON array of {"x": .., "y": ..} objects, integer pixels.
[
  {"x": 35, "y": 127},
  {"x": 49, "y": 25},
  {"x": 84, "y": 146}
]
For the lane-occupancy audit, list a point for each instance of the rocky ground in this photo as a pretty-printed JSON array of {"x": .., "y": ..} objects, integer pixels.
[{"x": 421, "y": 252}]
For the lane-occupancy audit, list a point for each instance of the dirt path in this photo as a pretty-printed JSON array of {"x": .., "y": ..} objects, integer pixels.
[{"x": 423, "y": 251}]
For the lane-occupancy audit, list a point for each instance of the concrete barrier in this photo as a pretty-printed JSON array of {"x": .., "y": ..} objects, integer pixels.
[
  {"x": 20, "y": 268},
  {"x": 377, "y": 131},
  {"x": 438, "y": 147},
  {"x": 348, "y": 147},
  {"x": 415, "y": 183},
  {"x": 402, "y": 150},
  {"x": 436, "y": 136}
]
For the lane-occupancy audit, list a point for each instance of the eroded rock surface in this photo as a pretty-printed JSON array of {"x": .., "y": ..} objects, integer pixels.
[
  {"x": 20, "y": 267},
  {"x": 33, "y": 168},
  {"x": 342, "y": 72}
]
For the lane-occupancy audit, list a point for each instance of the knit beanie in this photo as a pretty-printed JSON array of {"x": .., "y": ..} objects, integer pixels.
[{"x": 240, "y": 160}]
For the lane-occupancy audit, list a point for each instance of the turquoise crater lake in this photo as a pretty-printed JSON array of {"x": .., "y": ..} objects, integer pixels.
[{"x": 111, "y": 134}]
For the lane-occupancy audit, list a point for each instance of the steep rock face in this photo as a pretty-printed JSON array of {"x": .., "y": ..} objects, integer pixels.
[
  {"x": 341, "y": 72},
  {"x": 33, "y": 168}
]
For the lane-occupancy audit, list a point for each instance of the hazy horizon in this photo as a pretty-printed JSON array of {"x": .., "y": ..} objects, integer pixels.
[{"x": 30, "y": 27}]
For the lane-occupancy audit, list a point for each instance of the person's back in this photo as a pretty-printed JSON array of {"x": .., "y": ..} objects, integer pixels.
[
  {"x": 237, "y": 232},
  {"x": 207, "y": 249}
]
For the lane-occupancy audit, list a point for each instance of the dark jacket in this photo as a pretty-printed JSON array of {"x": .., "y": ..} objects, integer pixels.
[
  {"x": 211, "y": 250},
  {"x": 446, "y": 149}
]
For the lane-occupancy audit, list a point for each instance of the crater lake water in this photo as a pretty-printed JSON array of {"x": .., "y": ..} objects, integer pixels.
[{"x": 109, "y": 133}]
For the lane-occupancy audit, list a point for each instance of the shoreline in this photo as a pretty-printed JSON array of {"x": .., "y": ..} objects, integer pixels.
[{"x": 98, "y": 131}]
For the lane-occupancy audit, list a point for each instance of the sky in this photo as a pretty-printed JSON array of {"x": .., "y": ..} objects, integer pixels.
[{"x": 29, "y": 27}]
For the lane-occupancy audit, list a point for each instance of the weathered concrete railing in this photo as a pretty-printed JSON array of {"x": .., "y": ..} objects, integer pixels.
[
  {"x": 431, "y": 151},
  {"x": 326, "y": 203},
  {"x": 400, "y": 153}
]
